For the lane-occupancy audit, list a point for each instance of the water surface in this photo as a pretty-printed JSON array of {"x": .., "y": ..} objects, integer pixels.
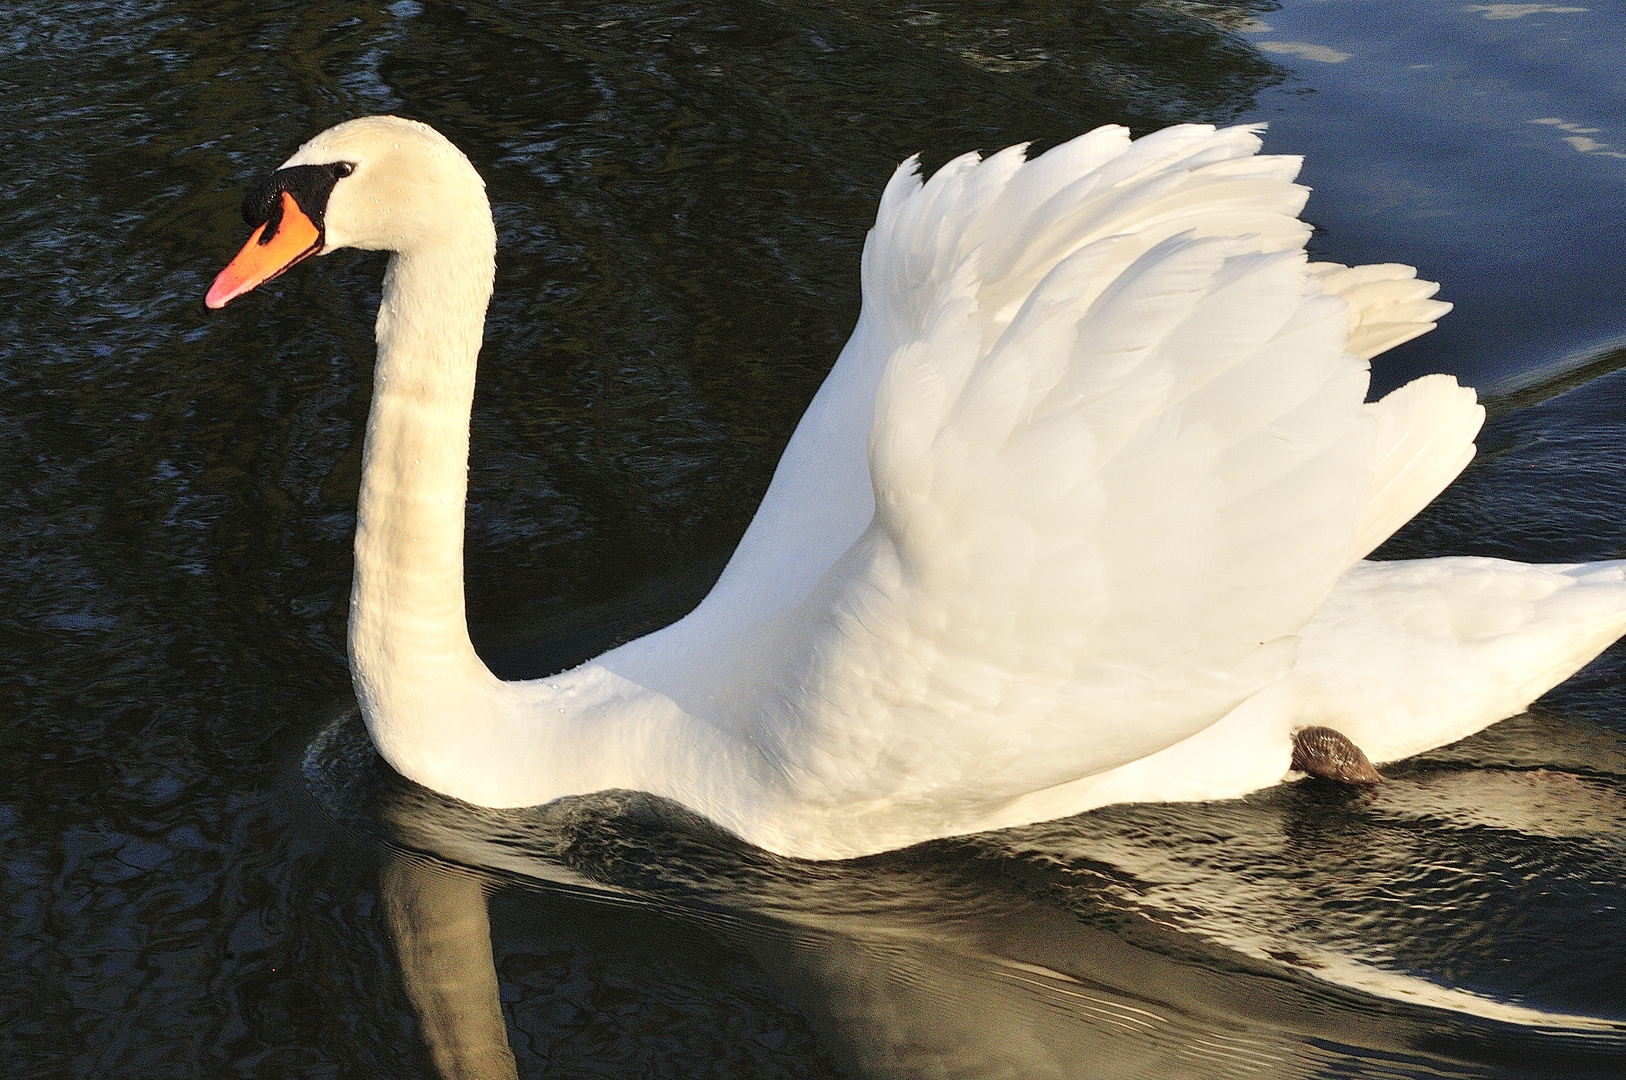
[{"x": 207, "y": 873}]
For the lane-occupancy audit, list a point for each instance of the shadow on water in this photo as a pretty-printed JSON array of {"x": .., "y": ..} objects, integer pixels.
[
  {"x": 682, "y": 191},
  {"x": 1302, "y": 932}
]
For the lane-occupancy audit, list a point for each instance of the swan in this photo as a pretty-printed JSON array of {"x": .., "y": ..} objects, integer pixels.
[{"x": 1079, "y": 516}]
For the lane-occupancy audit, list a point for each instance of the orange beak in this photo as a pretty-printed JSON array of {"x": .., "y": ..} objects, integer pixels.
[{"x": 295, "y": 238}]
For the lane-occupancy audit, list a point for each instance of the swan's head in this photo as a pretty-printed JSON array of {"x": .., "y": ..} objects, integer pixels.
[{"x": 378, "y": 182}]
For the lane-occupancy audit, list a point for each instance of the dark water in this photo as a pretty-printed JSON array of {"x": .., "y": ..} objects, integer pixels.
[{"x": 207, "y": 874}]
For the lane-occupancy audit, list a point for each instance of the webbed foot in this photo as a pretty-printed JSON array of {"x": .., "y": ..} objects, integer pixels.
[{"x": 1328, "y": 754}]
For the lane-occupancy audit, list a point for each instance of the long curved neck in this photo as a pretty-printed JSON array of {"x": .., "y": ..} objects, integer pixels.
[
  {"x": 413, "y": 666},
  {"x": 435, "y": 712}
]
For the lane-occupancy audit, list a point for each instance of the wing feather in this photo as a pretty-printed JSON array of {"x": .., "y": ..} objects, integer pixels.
[
  {"x": 1425, "y": 439},
  {"x": 1126, "y": 507},
  {"x": 1097, "y": 451}
]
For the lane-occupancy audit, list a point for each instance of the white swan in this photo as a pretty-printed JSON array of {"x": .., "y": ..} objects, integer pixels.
[{"x": 1077, "y": 518}]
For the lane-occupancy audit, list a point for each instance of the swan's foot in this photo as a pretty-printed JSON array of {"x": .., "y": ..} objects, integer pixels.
[{"x": 1323, "y": 752}]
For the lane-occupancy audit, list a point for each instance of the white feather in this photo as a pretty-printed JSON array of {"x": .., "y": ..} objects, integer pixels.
[{"x": 1071, "y": 521}]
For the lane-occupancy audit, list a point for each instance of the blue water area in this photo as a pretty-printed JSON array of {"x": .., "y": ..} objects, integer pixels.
[
  {"x": 207, "y": 872},
  {"x": 1482, "y": 143}
]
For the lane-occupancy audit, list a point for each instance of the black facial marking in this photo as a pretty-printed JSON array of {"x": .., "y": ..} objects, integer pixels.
[{"x": 310, "y": 185}]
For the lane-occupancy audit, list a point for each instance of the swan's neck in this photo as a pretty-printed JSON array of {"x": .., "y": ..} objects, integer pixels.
[
  {"x": 435, "y": 712},
  {"x": 415, "y": 671},
  {"x": 433, "y": 708}
]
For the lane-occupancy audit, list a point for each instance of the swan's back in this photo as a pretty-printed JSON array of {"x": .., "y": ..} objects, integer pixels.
[{"x": 1097, "y": 450}]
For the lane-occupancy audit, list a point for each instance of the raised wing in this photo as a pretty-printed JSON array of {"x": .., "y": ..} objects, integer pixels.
[
  {"x": 1020, "y": 218},
  {"x": 1119, "y": 456},
  {"x": 1095, "y": 454}
]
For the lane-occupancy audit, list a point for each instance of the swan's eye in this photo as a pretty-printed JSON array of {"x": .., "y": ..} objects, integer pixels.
[{"x": 341, "y": 169}]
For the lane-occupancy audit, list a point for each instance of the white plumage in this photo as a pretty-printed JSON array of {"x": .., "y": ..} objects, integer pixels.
[{"x": 1075, "y": 519}]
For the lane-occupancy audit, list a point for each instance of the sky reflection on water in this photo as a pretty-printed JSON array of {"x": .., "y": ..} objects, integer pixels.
[{"x": 1486, "y": 141}]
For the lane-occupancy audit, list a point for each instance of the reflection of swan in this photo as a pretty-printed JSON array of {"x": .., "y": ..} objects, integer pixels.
[
  {"x": 437, "y": 921},
  {"x": 891, "y": 995},
  {"x": 1308, "y": 944},
  {"x": 1075, "y": 519}
]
